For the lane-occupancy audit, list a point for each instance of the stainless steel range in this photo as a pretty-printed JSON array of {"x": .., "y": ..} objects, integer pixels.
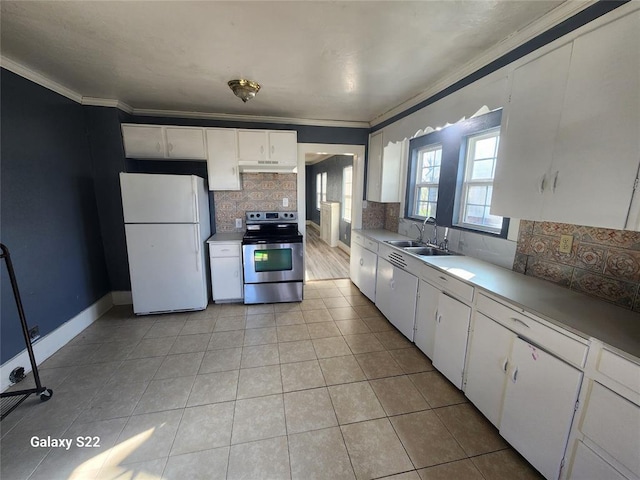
[{"x": 272, "y": 258}]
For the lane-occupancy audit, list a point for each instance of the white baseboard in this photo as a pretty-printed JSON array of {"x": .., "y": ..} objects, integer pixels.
[
  {"x": 121, "y": 298},
  {"x": 46, "y": 346}
]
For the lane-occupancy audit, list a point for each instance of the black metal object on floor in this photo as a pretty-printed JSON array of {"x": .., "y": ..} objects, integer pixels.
[{"x": 11, "y": 400}]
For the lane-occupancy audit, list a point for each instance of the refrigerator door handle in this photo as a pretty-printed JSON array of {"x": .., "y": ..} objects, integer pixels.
[
  {"x": 194, "y": 193},
  {"x": 196, "y": 238}
]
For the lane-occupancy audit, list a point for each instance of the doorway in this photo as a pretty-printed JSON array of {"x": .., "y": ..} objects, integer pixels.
[{"x": 322, "y": 260}]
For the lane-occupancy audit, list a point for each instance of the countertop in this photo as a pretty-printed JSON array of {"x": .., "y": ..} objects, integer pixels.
[
  {"x": 228, "y": 237},
  {"x": 580, "y": 314}
]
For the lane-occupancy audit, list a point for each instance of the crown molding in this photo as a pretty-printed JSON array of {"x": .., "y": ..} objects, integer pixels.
[
  {"x": 40, "y": 79},
  {"x": 557, "y": 15},
  {"x": 229, "y": 117},
  {"x": 107, "y": 102}
]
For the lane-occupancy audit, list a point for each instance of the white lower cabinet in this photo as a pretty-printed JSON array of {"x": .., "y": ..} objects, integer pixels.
[
  {"x": 363, "y": 270},
  {"x": 539, "y": 403},
  {"x": 487, "y": 366},
  {"x": 226, "y": 271},
  {"x": 452, "y": 329},
  {"x": 589, "y": 465},
  {"x": 396, "y": 292},
  {"x": 426, "y": 311}
]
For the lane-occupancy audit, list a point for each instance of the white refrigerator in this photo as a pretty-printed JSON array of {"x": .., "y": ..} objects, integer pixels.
[{"x": 166, "y": 224}]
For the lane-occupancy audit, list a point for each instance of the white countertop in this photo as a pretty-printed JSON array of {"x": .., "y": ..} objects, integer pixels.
[
  {"x": 227, "y": 237},
  {"x": 585, "y": 316}
]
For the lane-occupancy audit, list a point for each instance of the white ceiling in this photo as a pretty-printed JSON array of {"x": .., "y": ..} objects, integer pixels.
[{"x": 316, "y": 60}]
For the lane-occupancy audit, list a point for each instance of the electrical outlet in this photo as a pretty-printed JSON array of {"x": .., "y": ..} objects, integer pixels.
[
  {"x": 238, "y": 223},
  {"x": 566, "y": 242},
  {"x": 285, "y": 202},
  {"x": 34, "y": 333}
]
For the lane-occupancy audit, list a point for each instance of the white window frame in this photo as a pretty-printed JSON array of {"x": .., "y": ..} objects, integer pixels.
[
  {"x": 418, "y": 185},
  {"x": 347, "y": 193},
  {"x": 471, "y": 142}
]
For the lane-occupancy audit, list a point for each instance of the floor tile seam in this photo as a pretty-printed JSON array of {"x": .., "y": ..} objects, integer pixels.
[
  {"x": 399, "y": 473},
  {"x": 415, "y": 467}
]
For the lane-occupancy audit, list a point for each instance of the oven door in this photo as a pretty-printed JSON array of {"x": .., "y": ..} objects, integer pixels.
[{"x": 273, "y": 262}]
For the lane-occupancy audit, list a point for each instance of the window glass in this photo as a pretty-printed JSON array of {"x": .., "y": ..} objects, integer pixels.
[
  {"x": 347, "y": 195},
  {"x": 426, "y": 183},
  {"x": 480, "y": 165}
]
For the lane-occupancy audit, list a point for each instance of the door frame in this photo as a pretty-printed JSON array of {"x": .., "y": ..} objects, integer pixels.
[{"x": 358, "y": 180}]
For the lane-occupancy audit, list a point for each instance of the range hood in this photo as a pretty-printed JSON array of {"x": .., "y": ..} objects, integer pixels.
[{"x": 266, "y": 166}]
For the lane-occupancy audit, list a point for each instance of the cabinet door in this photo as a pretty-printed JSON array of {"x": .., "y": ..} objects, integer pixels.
[
  {"x": 426, "y": 310},
  {"x": 452, "y": 329},
  {"x": 374, "y": 168},
  {"x": 527, "y": 141},
  {"x": 539, "y": 405},
  {"x": 597, "y": 153},
  {"x": 143, "y": 141},
  {"x": 252, "y": 144},
  {"x": 384, "y": 276},
  {"x": 587, "y": 464},
  {"x": 185, "y": 143},
  {"x": 226, "y": 278},
  {"x": 355, "y": 264},
  {"x": 396, "y": 292},
  {"x": 222, "y": 159},
  {"x": 368, "y": 268},
  {"x": 487, "y": 367},
  {"x": 390, "y": 174},
  {"x": 283, "y": 147}
]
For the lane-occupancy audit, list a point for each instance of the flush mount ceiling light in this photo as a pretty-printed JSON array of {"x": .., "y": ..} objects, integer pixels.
[{"x": 244, "y": 89}]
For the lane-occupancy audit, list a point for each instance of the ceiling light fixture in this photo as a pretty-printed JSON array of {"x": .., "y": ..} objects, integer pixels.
[{"x": 244, "y": 89}]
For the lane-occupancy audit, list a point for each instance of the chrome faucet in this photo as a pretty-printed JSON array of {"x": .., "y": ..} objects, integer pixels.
[
  {"x": 420, "y": 232},
  {"x": 434, "y": 240}
]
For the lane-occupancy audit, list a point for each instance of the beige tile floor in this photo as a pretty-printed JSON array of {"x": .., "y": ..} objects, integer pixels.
[{"x": 322, "y": 389}]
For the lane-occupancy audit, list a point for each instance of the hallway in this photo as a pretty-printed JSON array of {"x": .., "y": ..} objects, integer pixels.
[{"x": 323, "y": 262}]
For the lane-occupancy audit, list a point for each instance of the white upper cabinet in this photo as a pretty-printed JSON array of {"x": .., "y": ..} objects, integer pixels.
[
  {"x": 222, "y": 159},
  {"x": 277, "y": 146},
  {"x": 383, "y": 171},
  {"x": 530, "y": 122},
  {"x": 156, "y": 141},
  {"x": 185, "y": 142},
  {"x": 569, "y": 150}
]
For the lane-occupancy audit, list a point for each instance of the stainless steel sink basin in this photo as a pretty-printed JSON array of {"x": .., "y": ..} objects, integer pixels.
[
  {"x": 405, "y": 243},
  {"x": 427, "y": 251}
]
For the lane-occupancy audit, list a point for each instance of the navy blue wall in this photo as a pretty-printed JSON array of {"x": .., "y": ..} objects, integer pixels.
[
  {"x": 333, "y": 166},
  {"x": 49, "y": 216}
]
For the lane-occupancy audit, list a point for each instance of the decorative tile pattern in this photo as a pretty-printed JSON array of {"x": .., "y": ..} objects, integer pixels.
[
  {"x": 604, "y": 263},
  {"x": 391, "y": 216},
  {"x": 260, "y": 191},
  {"x": 373, "y": 216}
]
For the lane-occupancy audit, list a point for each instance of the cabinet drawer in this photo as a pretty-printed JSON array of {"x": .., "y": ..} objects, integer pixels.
[
  {"x": 357, "y": 238},
  {"x": 224, "y": 250},
  {"x": 620, "y": 369},
  {"x": 613, "y": 423},
  {"x": 534, "y": 330},
  {"x": 371, "y": 245},
  {"x": 448, "y": 283}
]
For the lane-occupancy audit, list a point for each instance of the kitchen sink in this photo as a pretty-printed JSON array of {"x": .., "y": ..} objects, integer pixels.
[
  {"x": 427, "y": 251},
  {"x": 405, "y": 243}
]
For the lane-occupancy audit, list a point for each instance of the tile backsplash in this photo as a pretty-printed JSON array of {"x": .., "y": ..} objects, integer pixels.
[
  {"x": 381, "y": 215},
  {"x": 260, "y": 191},
  {"x": 604, "y": 263}
]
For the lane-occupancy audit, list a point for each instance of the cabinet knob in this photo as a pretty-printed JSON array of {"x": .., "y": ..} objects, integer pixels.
[
  {"x": 262, "y": 149},
  {"x": 170, "y": 147},
  {"x": 555, "y": 182},
  {"x": 361, "y": 262},
  {"x": 542, "y": 181},
  {"x": 273, "y": 149},
  {"x": 158, "y": 146}
]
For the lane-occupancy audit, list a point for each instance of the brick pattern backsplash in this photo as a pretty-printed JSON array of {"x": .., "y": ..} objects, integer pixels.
[
  {"x": 604, "y": 263},
  {"x": 260, "y": 191}
]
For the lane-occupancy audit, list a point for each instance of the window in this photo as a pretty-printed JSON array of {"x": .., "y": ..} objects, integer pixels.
[
  {"x": 426, "y": 181},
  {"x": 477, "y": 187},
  {"x": 321, "y": 189},
  {"x": 347, "y": 193},
  {"x": 450, "y": 175}
]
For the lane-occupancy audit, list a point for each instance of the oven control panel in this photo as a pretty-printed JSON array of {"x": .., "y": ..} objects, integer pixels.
[{"x": 268, "y": 217}]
